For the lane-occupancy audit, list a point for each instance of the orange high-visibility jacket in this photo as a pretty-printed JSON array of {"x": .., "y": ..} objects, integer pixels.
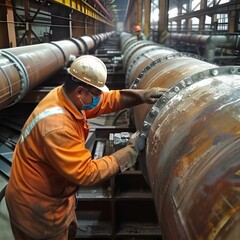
[{"x": 50, "y": 162}]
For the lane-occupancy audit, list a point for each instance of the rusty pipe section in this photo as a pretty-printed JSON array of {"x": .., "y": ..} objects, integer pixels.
[
  {"x": 192, "y": 142},
  {"x": 23, "y": 68}
]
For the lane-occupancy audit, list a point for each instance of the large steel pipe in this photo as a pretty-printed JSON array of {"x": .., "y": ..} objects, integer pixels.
[
  {"x": 23, "y": 68},
  {"x": 192, "y": 153},
  {"x": 142, "y": 58},
  {"x": 203, "y": 40},
  {"x": 135, "y": 46},
  {"x": 210, "y": 42}
]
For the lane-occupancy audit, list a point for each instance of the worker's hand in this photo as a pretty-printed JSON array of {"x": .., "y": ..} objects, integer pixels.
[
  {"x": 134, "y": 97},
  {"x": 127, "y": 156},
  {"x": 152, "y": 95},
  {"x": 136, "y": 141}
]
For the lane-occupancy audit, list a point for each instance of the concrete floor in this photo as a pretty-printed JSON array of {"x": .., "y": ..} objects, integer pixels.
[{"x": 6, "y": 232}]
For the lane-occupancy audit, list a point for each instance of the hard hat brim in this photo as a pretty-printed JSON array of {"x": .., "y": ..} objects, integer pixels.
[{"x": 103, "y": 89}]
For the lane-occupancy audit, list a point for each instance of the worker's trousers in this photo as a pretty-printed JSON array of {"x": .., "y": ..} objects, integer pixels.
[{"x": 68, "y": 234}]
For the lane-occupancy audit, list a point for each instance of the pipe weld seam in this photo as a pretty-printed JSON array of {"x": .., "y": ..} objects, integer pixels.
[
  {"x": 63, "y": 53},
  {"x": 85, "y": 45},
  {"x": 75, "y": 41}
]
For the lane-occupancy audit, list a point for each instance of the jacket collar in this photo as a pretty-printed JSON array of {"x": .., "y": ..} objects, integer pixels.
[{"x": 67, "y": 103}]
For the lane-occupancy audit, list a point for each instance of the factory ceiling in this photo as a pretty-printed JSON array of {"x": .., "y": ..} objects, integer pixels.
[{"x": 119, "y": 7}]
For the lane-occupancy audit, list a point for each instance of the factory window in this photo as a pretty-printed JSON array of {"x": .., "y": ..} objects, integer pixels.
[
  {"x": 223, "y": 1},
  {"x": 208, "y": 25},
  {"x": 238, "y": 25},
  {"x": 195, "y": 24},
  {"x": 209, "y": 3},
  {"x": 184, "y": 8},
  {"x": 183, "y": 25},
  {"x": 196, "y": 5},
  {"x": 172, "y": 13},
  {"x": 222, "y": 20},
  {"x": 172, "y": 26},
  {"x": 154, "y": 19}
]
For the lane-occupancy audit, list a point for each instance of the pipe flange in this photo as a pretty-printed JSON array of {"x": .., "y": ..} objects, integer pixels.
[
  {"x": 142, "y": 54},
  {"x": 135, "y": 47},
  {"x": 85, "y": 45},
  {"x": 95, "y": 41},
  {"x": 75, "y": 41},
  {"x": 128, "y": 42},
  {"x": 22, "y": 71},
  {"x": 160, "y": 60},
  {"x": 182, "y": 84},
  {"x": 63, "y": 53}
]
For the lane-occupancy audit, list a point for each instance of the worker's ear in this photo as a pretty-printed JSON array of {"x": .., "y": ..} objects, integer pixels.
[{"x": 79, "y": 91}]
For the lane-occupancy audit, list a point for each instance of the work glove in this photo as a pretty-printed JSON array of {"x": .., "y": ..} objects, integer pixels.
[
  {"x": 127, "y": 156},
  {"x": 153, "y": 94}
]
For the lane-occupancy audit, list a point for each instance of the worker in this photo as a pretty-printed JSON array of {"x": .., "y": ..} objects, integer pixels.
[
  {"x": 50, "y": 161},
  {"x": 138, "y": 31}
]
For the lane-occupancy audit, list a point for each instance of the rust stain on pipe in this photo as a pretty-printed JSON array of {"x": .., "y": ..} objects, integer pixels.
[
  {"x": 166, "y": 74},
  {"x": 191, "y": 150}
]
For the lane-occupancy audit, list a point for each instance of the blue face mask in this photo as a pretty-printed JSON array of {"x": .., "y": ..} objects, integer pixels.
[{"x": 92, "y": 105}]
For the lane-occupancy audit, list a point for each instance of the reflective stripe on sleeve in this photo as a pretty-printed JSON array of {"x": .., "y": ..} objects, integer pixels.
[{"x": 39, "y": 117}]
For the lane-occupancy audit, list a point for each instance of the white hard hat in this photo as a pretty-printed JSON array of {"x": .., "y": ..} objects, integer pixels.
[{"x": 91, "y": 70}]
